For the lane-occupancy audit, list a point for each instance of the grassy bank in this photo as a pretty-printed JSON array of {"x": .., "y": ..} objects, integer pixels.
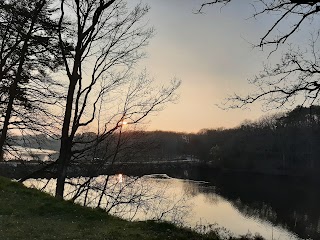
[{"x": 30, "y": 214}]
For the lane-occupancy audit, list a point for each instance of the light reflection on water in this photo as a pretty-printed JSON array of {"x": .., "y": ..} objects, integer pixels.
[
  {"x": 209, "y": 207},
  {"x": 181, "y": 201},
  {"x": 131, "y": 198}
]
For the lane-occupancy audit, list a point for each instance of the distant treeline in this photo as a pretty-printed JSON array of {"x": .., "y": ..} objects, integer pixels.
[{"x": 286, "y": 143}]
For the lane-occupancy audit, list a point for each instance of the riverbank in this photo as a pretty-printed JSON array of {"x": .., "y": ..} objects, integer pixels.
[{"x": 30, "y": 214}]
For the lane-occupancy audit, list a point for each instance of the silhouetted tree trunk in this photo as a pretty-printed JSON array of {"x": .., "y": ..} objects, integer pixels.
[
  {"x": 66, "y": 141},
  {"x": 108, "y": 39}
]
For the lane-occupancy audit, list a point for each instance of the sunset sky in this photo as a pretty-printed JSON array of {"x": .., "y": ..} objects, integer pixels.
[{"x": 211, "y": 53}]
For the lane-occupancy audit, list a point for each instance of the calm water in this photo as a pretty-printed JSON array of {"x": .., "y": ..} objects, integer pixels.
[{"x": 275, "y": 208}]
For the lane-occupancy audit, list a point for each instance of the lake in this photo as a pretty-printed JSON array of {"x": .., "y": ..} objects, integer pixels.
[{"x": 275, "y": 207}]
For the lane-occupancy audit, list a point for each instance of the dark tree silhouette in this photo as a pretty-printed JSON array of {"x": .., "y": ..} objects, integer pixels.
[
  {"x": 28, "y": 53},
  {"x": 107, "y": 40}
]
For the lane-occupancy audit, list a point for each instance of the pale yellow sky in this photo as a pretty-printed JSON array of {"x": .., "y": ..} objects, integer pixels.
[{"x": 210, "y": 53}]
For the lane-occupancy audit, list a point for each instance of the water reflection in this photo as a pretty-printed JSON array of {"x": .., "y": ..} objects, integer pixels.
[
  {"x": 291, "y": 203},
  {"x": 210, "y": 207},
  {"x": 274, "y": 208},
  {"x": 132, "y": 198}
]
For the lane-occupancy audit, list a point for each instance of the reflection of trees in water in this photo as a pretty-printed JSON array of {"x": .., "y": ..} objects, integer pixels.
[
  {"x": 126, "y": 197},
  {"x": 258, "y": 210},
  {"x": 192, "y": 189},
  {"x": 300, "y": 223},
  {"x": 212, "y": 198},
  {"x": 290, "y": 203}
]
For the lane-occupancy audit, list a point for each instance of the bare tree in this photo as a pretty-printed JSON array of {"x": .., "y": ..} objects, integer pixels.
[
  {"x": 107, "y": 40},
  {"x": 289, "y": 12},
  {"x": 295, "y": 79}
]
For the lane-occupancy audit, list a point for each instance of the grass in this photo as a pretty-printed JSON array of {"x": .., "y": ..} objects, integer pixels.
[{"x": 30, "y": 214}]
